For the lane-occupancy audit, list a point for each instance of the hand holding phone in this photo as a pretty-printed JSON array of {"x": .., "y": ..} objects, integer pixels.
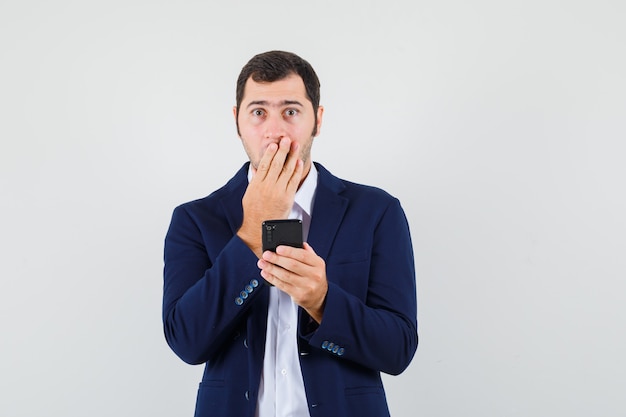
[{"x": 281, "y": 232}]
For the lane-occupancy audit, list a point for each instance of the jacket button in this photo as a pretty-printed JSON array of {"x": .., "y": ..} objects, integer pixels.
[
  {"x": 247, "y": 396},
  {"x": 239, "y": 301}
]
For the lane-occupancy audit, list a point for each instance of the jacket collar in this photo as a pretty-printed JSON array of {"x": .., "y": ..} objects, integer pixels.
[{"x": 328, "y": 211}]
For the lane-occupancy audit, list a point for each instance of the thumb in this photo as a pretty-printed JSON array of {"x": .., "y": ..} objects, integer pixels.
[{"x": 308, "y": 248}]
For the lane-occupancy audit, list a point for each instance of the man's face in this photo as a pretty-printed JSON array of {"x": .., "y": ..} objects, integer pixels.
[{"x": 270, "y": 111}]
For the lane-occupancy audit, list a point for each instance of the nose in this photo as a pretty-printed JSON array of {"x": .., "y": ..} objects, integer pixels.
[{"x": 274, "y": 127}]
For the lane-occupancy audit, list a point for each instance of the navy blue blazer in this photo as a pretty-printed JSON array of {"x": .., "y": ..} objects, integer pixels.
[{"x": 215, "y": 301}]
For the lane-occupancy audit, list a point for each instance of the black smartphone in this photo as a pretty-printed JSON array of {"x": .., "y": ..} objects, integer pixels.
[{"x": 281, "y": 232}]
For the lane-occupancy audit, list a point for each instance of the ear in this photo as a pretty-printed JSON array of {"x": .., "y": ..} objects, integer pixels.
[
  {"x": 236, "y": 122},
  {"x": 320, "y": 113}
]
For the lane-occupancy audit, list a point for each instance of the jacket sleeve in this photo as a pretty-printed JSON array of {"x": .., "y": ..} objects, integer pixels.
[
  {"x": 370, "y": 315},
  {"x": 210, "y": 280}
]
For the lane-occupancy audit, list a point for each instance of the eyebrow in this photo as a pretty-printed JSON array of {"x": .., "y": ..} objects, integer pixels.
[{"x": 279, "y": 104}]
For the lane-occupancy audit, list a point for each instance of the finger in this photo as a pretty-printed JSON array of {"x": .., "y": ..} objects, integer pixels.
[
  {"x": 288, "y": 267},
  {"x": 276, "y": 275},
  {"x": 265, "y": 271},
  {"x": 269, "y": 259},
  {"x": 266, "y": 161},
  {"x": 305, "y": 255},
  {"x": 296, "y": 177},
  {"x": 278, "y": 161},
  {"x": 272, "y": 262},
  {"x": 271, "y": 279},
  {"x": 290, "y": 162},
  {"x": 308, "y": 248}
]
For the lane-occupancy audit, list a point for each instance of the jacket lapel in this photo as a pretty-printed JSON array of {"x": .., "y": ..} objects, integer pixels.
[
  {"x": 328, "y": 211},
  {"x": 231, "y": 202}
]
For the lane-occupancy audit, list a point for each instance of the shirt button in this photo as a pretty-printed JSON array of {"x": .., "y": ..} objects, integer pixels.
[{"x": 284, "y": 372}]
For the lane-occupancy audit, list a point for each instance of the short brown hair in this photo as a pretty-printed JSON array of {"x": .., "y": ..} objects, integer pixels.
[{"x": 276, "y": 65}]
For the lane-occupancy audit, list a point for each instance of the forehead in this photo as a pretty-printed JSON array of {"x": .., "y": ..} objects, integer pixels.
[{"x": 288, "y": 88}]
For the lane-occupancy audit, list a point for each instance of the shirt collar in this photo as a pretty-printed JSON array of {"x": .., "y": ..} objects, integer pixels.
[{"x": 306, "y": 193}]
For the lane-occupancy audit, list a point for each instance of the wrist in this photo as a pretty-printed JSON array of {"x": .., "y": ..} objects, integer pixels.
[{"x": 252, "y": 239}]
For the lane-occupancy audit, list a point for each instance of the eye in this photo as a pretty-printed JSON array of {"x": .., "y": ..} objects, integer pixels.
[
  {"x": 258, "y": 112},
  {"x": 291, "y": 112}
]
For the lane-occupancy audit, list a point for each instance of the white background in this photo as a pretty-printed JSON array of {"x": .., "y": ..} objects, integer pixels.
[{"x": 500, "y": 125}]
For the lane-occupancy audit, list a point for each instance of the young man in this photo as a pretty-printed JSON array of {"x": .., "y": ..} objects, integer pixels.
[{"x": 338, "y": 311}]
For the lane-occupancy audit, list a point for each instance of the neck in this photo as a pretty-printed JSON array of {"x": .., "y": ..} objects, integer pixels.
[{"x": 305, "y": 172}]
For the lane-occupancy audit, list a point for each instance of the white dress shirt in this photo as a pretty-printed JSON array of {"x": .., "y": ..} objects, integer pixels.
[{"x": 281, "y": 391}]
